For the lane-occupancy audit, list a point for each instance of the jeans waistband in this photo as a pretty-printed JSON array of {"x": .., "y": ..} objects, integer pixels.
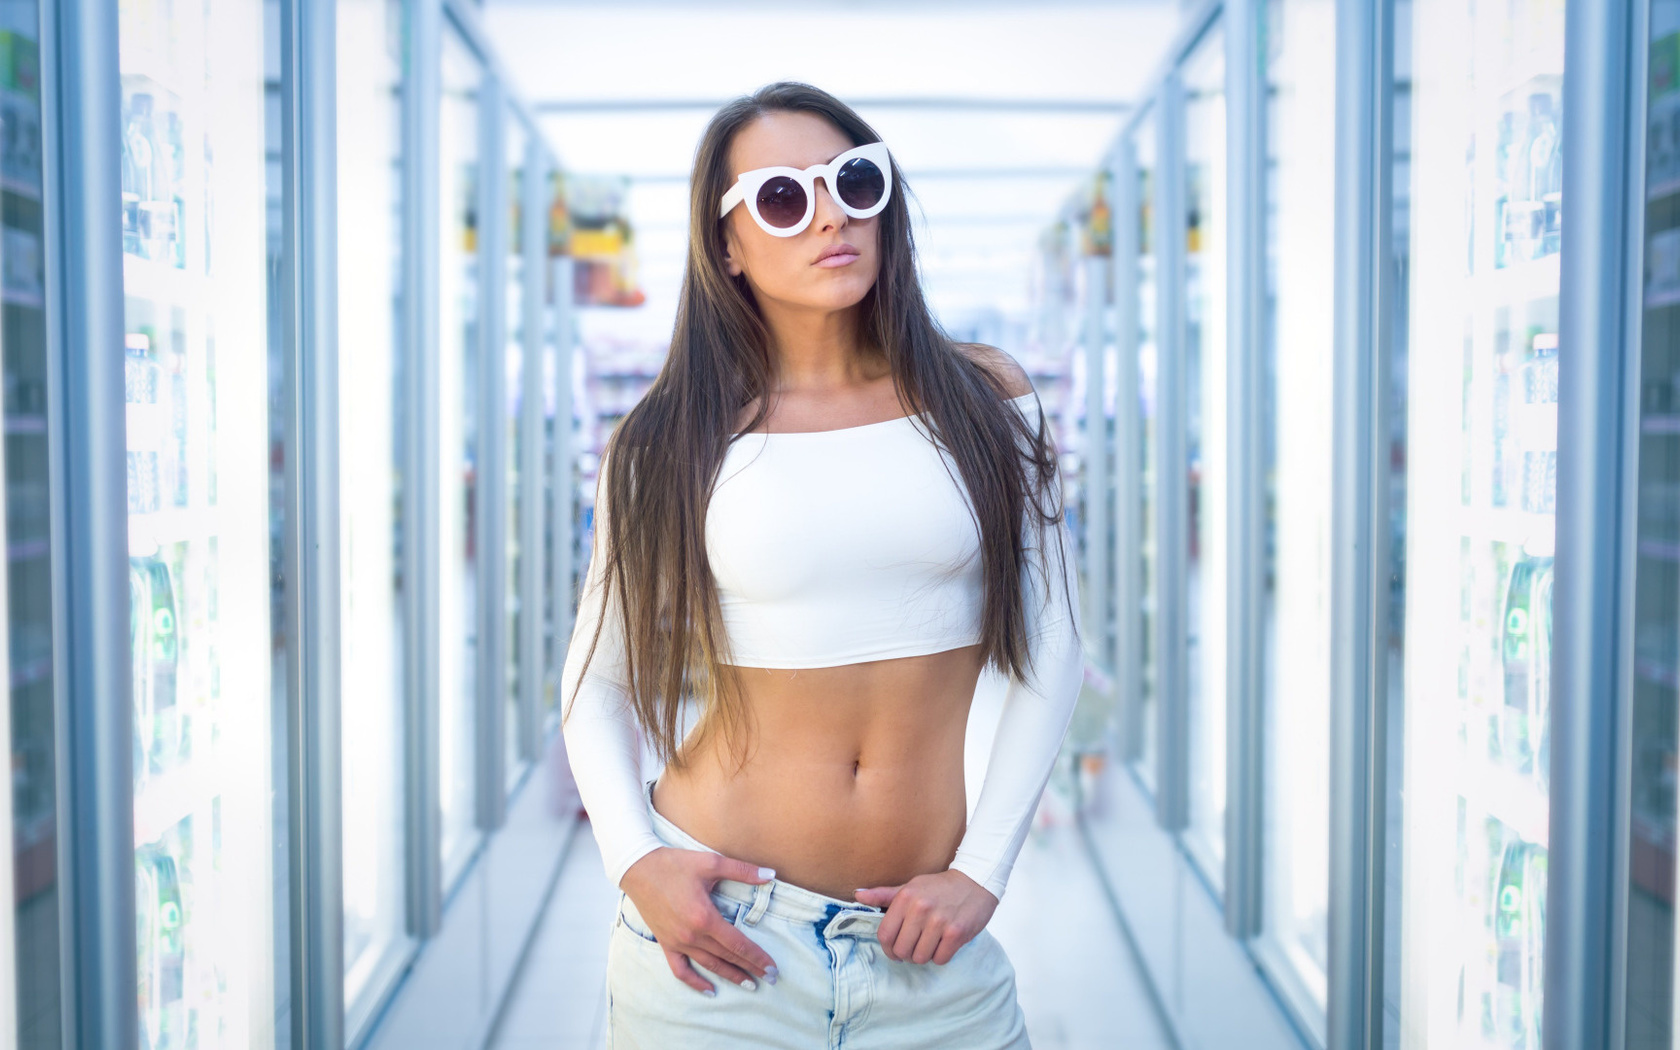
[{"x": 776, "y": 897}]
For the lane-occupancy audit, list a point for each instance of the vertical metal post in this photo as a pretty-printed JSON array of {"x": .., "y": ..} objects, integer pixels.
[
  {"x": 1172, "y": 797},
  {"x": 564, "y": 491},
  {"x": 1245, "y": 668},
  {"x": 82, "y": 124},
  {"x": 421, "y": 553},
  {"x": 1600, "y": 282},
  {"x": 532, "y": 399},
  {"x": 1128, "y": 435},
  {"x": 1099, "y": 598},
  {"x": 491, "y": 489},
  {"x": 309, "y": 104},
  {"x": 1359, "y": 522}
]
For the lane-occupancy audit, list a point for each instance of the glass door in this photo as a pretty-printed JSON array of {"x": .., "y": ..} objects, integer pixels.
[
  {"x": 1300, "y": 74},
  {"x": 30, "y": 794},
  {"x": 194, "y": 216},
  {"x": 1205, "y": 385},
  {"x": 458, "y": 369},
  {"x": 1655, "y": 753},
  {"x": 1482, "y": 383},
  {"x": 373, "y": 529}
]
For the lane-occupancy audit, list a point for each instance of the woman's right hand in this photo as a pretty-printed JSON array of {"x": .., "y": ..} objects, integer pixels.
[{"x": 672, "y": 888}]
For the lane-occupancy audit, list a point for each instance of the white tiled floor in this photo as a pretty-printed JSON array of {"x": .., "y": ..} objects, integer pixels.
[{"x": 1077, "y": 984}]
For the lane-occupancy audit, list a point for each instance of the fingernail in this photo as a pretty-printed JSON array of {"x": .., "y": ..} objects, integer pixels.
[
  {"x": 766, "y": 873},
  {"x": 771, "y": 973},
  {"x": 712, "y": 992},
  {"x": 749, "y": 984}
]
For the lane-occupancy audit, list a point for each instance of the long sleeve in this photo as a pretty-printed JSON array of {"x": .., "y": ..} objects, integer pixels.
[
  {"x": 1035, "y": 716},
  {"x": 602, "y": 740}
]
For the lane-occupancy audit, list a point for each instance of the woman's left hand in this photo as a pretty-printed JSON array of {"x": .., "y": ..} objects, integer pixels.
[{"x": 931, "y": 916}]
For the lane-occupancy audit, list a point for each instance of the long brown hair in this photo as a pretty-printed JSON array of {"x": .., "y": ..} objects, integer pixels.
[{"x": 662, "y": 460}]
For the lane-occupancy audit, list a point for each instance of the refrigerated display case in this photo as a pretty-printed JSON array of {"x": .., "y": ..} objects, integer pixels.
[
  {"x": 1204, "y": 385},
  {"x": 1297, "y": 350},
  {"x": 1479, "y": 527},
  {"x": 459, "y": 321},
  {"x": 194, "y": 215},
  {"x": 515, "y": 143},
  {"x": 373, "y": 424},
  {"x": 31, "y": 792}
]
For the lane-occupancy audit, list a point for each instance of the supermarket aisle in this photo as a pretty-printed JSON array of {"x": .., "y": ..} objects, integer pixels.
[{"x": 1078, "y": 985}]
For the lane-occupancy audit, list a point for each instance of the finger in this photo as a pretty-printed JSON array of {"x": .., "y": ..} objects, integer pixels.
[
  {"x": 727, "y": 970},
  {"x": 685, "y": 973},
  {"x": 904, "y": 945},
  {"x": 726, "y": 941},
  {"x": 948, "y": 945},
  {"x": 880, "y": 896},
  {"x": 926, "y": 944},
  {"x": 739, "y": 870},
  {"x": 887, "y": 932}
]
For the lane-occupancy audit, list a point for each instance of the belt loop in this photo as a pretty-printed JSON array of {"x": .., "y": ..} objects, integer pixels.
[{"x": 760, "y": 902}]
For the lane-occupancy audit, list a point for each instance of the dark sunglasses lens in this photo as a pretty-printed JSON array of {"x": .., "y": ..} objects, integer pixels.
[
  {"x": 861, "y": 184},
  {"x": 781, "y": 202}
]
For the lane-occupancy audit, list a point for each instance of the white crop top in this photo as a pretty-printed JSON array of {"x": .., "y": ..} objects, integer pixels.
[{"x": 835, "y": 547}]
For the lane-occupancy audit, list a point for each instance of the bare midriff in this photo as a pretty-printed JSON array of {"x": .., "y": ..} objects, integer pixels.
[{"x": 854, "y": 777}]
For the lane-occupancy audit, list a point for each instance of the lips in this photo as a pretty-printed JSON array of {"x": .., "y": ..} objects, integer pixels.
[{"x": 833, "y": 250}]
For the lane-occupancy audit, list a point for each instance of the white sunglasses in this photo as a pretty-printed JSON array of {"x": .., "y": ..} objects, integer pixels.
[{"x": 782, "y": 200}]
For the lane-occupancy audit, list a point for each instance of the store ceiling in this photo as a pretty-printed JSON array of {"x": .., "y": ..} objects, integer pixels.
[{"x": 994, "y": 110}]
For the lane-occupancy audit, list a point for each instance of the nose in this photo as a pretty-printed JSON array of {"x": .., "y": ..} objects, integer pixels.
[{"x": 829, "y": 214}]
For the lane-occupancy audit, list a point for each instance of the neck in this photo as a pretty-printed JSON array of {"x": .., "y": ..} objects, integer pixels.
[{"x": 814, "y": 349}]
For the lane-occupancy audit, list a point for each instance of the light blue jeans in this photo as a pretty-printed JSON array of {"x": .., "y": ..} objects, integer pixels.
[{"x": 835, "y": 988}]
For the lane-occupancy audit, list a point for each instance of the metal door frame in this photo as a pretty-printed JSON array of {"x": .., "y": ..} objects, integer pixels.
[
  {"x": 1597, "y": 469},
  {"x": 1246, "y": 349},
  {"x": 1128, "y": 433},
  {"x": 309, "y": 263},
  {"x": 490, "y": 472},
  {"x": 1172, "y": 776},
  {"x": 94, "y": 716},
  {"x": 1359, "y": 522},
  {"x": 423, "y": 458}
]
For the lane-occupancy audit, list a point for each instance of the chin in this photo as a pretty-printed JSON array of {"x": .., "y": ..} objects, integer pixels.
[{"x": 850, "y": 291}]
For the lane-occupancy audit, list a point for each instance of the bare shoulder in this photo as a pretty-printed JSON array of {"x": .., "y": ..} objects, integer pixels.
[{"x": 1015, "y": 380}]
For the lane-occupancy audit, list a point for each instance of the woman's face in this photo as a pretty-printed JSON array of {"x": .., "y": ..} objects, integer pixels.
[{"x": 784, "y": 269}]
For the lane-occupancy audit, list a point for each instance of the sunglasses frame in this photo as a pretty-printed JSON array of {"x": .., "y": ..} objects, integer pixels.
[{"x": 748, "y": 183}]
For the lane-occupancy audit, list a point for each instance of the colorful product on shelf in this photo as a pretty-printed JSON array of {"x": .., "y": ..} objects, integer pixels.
[
  {"x": 23, "y": 273},
  {"x": 1529, "y": 173},
  {"x": 1526, "y": 649},
  {"x": 154, "y": 616},
  {"x": 142, "y": 382},
  {"x": 1662, "y": 144},
  {"x": 160, "y": 913},
  {"x": 1519, "y": 930},
  {"x": 153, "y": 170},
  {"x": 1537, "y": 425},
  {"x": 176, "y": 471},
  {"x": 1098, "y": 227}
]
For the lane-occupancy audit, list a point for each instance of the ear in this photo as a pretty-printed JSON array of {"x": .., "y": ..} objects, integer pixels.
[{"x": 731, "y": 263}]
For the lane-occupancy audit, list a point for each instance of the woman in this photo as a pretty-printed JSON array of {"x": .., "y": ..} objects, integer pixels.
[{"x": 822, "y": 520}]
